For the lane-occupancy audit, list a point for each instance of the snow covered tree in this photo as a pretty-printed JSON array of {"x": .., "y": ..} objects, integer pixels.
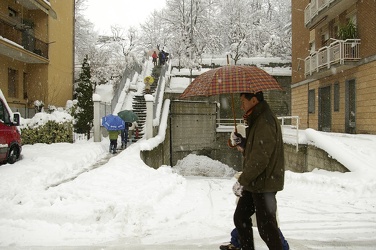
[
  {"x": 191, "y": 28},
  {"x": 85, "y": 36},
  {"x": 185, "y": 19},
  {"x": 106, "y": 53},
  {"x": 84, "y": 114},
  {"x": 153, "y": 33},
  {"x": 279, "y": 27},
  {"x": 127, "y": 44}
]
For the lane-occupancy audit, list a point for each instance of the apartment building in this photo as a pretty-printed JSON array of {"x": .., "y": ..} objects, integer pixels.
[
  {"x": 36, "y": 53},
  {"x": 334, "y": 65}
]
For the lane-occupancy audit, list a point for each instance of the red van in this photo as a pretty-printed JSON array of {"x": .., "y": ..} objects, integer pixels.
[{"x": 10, "y": 137}]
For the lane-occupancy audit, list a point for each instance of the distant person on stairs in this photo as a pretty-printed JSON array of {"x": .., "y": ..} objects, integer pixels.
[
  {"x": 154, "y": 56},
  {"x": 148, "y": 82}
]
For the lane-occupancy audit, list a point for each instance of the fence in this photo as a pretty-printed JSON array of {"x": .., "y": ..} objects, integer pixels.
[
  {"x": 291, "y": 122},
  {"x": 338, "y": 52}
]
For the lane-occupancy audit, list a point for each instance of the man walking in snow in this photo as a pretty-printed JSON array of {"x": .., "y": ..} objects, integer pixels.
[{"x": 263, "y": 172}]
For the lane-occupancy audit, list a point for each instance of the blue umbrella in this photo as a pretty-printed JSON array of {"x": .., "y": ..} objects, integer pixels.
[{"x": 113, "y": 122}]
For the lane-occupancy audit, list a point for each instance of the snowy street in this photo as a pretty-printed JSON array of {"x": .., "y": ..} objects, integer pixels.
[
  {"x": 61, "y": 198},
  {"x": 78, "y": 196}
]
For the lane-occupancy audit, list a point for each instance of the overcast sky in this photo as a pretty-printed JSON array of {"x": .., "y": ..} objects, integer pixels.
[{"x": 124, "y": 13}]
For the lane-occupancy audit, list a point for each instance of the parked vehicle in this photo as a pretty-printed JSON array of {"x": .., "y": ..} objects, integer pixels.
[{"x": 10, "y": 137}]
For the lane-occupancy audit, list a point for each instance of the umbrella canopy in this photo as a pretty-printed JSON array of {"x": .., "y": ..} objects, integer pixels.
[
  {"x": 128, "y": 116},
  {"x": 231, "y": 79},
  {"x": 113, "y": 122},
  {"x": 150, "y": 52},
  {"x": 149, "y": 80}
]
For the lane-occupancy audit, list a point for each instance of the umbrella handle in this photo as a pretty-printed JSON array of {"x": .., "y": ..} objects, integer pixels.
[
  {"x": 229, "y": 143},
  {"x": 233, "y": 111}
]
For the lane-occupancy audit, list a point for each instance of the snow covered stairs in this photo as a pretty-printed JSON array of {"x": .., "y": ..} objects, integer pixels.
[{"x": 139, "y": 108}]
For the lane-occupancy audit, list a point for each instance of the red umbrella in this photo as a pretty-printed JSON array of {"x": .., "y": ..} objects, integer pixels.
[{"x": 231, "y": 79}]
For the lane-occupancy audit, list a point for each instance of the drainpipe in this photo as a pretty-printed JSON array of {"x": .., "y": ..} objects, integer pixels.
[
  {"x": 149, "y": 99},
  {"x": 97, "y": 121}
]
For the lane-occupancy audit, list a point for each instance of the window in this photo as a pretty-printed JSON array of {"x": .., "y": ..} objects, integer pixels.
[
  {"x": 336, "y": 97},
  {"x": 4, "y": 115},
  {"x": 311, "y": 101},
  {"x": 333, "y": 29},
  {"x": 12, "y": 83},
  {"x": 24, "y": 86},
  {"x": 325, "y": 36},
  {"x": 312, "y": 47}
]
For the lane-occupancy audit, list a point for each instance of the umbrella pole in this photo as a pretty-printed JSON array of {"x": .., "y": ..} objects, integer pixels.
[
  {"x": 229, "y": 143},
  {"x": 233, "y": 111}
]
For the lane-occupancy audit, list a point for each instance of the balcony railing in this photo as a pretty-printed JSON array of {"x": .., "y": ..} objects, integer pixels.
[
  {"x": 24, "y": 39},
  {"x": 313, "y": 9},
  {"x": 338, "y": 52}
]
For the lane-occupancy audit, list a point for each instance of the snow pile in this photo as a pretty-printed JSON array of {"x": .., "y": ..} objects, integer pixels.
[{"x": 198, "y": 165}]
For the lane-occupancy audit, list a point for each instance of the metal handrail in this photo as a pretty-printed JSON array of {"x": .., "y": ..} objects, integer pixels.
[
  {"x": 297, "y": 121},
  {"x": 313, "y": 9},
  {"x": 230, "y": 123}
]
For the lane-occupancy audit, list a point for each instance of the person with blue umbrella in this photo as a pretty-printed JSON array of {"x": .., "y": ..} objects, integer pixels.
[
  {"x": 114, "y": 125},
  {"x": 113, "y": 136}
]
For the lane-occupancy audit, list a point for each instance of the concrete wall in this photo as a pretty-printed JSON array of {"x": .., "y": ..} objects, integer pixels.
[
  {"x": 305, "y": 160},
  {"x": 160, "y": 155},
  {"x": 192, "y": 130},
  {"x": 308, "y": 158}
]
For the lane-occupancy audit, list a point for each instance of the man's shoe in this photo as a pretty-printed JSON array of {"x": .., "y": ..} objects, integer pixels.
[{"x": 229, "y": 247}]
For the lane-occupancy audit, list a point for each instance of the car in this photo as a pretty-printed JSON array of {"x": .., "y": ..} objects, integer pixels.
[{"x": 10, "y": 136}]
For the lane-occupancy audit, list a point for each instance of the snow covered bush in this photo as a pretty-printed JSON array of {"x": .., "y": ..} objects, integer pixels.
[
  {"x": 51, "y": 132},
  {"x": 47, "y": 128}
]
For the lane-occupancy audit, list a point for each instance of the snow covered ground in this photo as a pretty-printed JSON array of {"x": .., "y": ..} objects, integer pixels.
[{"x": 78, "y": 196}]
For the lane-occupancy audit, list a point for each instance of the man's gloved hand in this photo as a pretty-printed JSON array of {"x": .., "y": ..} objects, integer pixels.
[
  {"x": 237, "y": 189},
  {"x": 238, "y": 140}
]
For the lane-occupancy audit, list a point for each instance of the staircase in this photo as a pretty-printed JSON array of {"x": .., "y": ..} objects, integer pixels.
[{"x": 139, "y": 108}]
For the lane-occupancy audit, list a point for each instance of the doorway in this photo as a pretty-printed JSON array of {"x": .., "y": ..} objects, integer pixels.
[
  {"x": 325, "y": 113},
  {"x": 350, "y": 107}
]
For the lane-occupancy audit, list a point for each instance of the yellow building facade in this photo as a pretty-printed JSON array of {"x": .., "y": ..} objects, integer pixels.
[
  {"x": 36, "y": 53},
  {"x": 334, "y": 65}
]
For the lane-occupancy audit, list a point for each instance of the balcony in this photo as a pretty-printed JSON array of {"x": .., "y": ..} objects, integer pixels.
[
  {"x": 340, "y": 54},
  {"x": 317, "y": 11},
  {"x": 43, "y": 5},
  {"x": 21, "y": 45}
]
